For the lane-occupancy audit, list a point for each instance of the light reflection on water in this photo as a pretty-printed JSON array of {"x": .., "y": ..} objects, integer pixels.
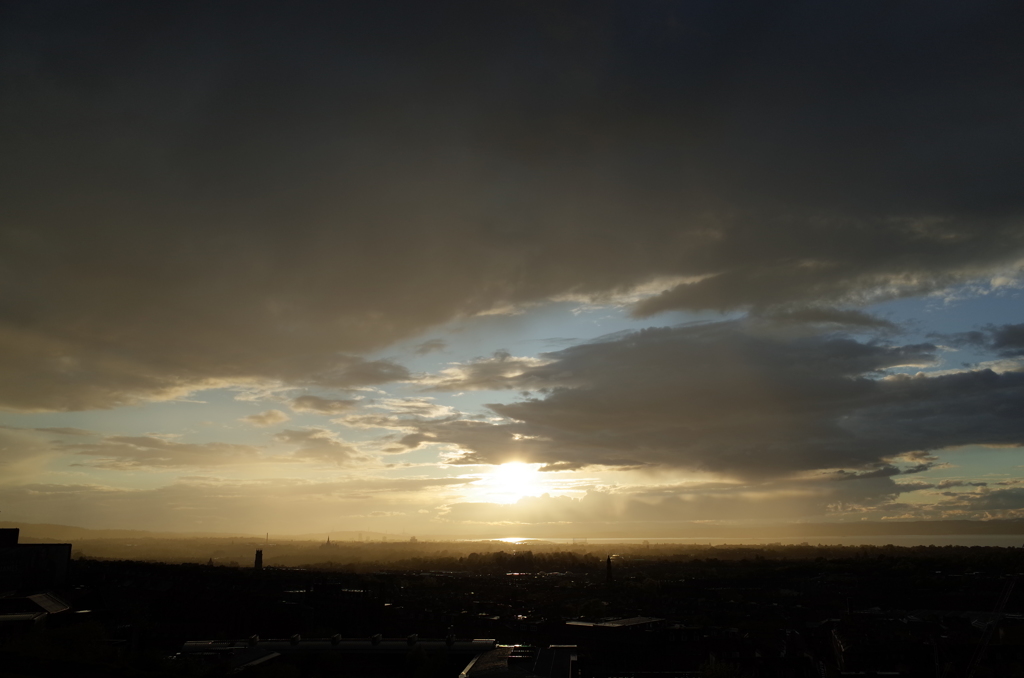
[{"x": 876, "y": 540}]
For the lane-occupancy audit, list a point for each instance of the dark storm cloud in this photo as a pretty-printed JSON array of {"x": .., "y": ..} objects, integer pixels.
[
  {"x": 943, "y": 485},
  {"x": 958, "y": 483},
  {"x": 735, "y": 399},
  {"x": 1009, "y": 340},
  {"x": 498, "y": 371},
  {"x": 1006, "y": 340},
  {"x": 840, "y": 318},
  {"x": 197, "y": 194},
  {"x": 350, "y": 372},
  {"x": 987, "y": 500}
]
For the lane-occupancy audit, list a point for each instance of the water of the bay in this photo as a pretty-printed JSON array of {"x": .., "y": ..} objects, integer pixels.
[{"x": 1016, "y": 540}]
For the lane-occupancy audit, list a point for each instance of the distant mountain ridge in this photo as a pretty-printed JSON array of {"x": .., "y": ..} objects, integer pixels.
[
  {"x": 45, "y": 532},
  {"x": 778, "y": 530},
  {"x": 52, "y": 532}
]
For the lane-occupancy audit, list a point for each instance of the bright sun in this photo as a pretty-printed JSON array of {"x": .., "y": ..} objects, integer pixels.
[{"x": 511, "y": 482}]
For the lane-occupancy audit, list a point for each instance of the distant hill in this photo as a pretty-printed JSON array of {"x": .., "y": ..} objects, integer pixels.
[
  {"x": 347, "y": 535},
  {"x": 783, "y": 530},
  {"x": 43, "y": 532},
  {"x": 918, "y": 527},
  {"x": 928, "y": 527},
  {"x": 39, "y": 532}
]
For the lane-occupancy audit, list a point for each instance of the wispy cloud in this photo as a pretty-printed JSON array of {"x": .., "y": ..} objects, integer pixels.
[{"x": 268, "y": 418}]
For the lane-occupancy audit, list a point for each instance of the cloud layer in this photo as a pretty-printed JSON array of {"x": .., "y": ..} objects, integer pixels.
[
  {"x": 734, "y": 398},
  {"x": 227, "y": 198},
  {"x": 214, "y": 504}
]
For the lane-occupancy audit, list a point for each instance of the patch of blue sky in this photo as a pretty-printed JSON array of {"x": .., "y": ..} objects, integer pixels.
[
  {"x": 538, "y": 329},
  {"x": 936, "y": 318},
  {"x": 961, "y": 309},
  {"x": 976, "y": 463}
]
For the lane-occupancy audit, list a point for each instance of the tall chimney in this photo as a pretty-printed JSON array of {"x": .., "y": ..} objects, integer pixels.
[{"x": 259, "y": 560}]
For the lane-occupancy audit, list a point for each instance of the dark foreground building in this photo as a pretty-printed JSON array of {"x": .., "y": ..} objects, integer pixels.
[
  {"x": 375, "y": 656},
  {"x": 31, "y": 566}
]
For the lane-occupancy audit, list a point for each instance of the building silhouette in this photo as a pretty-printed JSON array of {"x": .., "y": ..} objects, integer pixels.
[{"x": 31, "y": 565}]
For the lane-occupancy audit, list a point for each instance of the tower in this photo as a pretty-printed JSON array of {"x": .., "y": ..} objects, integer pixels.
[
  {"x": 259, "y": 560},
  {"x": 608, "y": 570}
]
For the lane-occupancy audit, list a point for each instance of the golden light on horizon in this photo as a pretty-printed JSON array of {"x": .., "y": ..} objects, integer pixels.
[{"x": 510, "y": 482}]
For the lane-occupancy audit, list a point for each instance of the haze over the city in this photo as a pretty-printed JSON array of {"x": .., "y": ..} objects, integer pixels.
[{"x": 510, "y": 268}]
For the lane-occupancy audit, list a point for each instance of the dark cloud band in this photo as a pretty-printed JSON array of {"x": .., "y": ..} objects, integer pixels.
[{"x": 231, "y": 196}]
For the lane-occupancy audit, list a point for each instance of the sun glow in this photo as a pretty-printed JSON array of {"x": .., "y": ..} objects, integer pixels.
[{"x": 508, "y": 483}]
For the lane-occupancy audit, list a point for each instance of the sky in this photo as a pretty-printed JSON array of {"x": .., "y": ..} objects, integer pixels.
[{"x": 514, "y": 267}]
